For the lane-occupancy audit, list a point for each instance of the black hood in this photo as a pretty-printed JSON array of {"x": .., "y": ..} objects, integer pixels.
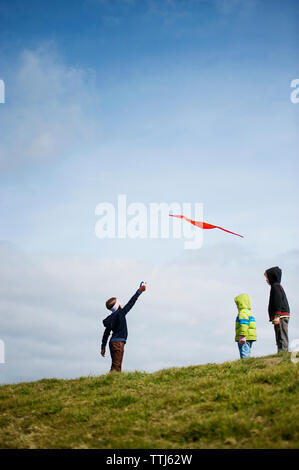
[{"x": 274, "y": 275}]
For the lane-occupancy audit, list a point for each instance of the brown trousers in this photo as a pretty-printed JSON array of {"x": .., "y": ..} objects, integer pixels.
[{"x": 117, "y": 352}]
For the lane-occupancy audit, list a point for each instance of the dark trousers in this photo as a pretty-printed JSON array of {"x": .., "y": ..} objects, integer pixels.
[
  {"x": 117, "y": 353},
  {"x": 281, "y": 335}
]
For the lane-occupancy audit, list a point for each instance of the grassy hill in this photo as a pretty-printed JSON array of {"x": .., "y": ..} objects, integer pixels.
[{"x": 252, "y": 403}]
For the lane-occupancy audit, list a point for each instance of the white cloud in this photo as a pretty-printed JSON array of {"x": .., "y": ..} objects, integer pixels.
[
  {"x": 51, "y": 309},
  {"x": 52, "y": 110}
]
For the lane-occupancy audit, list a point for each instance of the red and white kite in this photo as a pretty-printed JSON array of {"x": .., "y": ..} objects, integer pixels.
[{"x": 204, "y": 225}]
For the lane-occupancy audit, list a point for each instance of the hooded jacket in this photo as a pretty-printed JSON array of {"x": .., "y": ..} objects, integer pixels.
[
  {"x": 245, "y": 321},
  {"x": 117, "y": 323},
  {"x": 278, "y": 302}
]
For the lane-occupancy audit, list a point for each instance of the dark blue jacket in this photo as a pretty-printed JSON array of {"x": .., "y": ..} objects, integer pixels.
[{"x": 117, "y": 323}]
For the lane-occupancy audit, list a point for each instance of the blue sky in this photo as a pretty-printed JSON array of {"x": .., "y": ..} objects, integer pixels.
[{"x": 164, "y": 101}]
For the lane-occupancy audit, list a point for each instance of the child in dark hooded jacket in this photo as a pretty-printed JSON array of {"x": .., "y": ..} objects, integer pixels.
[{"x": 278, "y": 309}]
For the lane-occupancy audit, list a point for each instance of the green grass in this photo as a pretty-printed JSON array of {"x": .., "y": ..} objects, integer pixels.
[{"x": 251, "y": 403}]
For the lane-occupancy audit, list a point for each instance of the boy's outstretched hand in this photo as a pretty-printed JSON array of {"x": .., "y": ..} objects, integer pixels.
[{"x": 142, "y": 288}]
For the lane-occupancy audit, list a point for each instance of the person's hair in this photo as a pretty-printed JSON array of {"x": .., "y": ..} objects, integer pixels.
[{"x": 110, "y": 302}]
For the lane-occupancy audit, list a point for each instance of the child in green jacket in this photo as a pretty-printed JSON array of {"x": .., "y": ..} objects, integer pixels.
[{"x": 245, "y": 325}]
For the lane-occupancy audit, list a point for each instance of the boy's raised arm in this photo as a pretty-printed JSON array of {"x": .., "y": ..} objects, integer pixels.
[{"x": 132, "y": 301}]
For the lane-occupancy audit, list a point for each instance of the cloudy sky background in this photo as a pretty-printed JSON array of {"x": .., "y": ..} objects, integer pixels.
[{"x": 163, "y": 101}]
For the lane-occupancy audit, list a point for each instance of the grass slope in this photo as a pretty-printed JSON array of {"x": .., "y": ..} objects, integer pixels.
[{"x": 251, "y": 403}]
